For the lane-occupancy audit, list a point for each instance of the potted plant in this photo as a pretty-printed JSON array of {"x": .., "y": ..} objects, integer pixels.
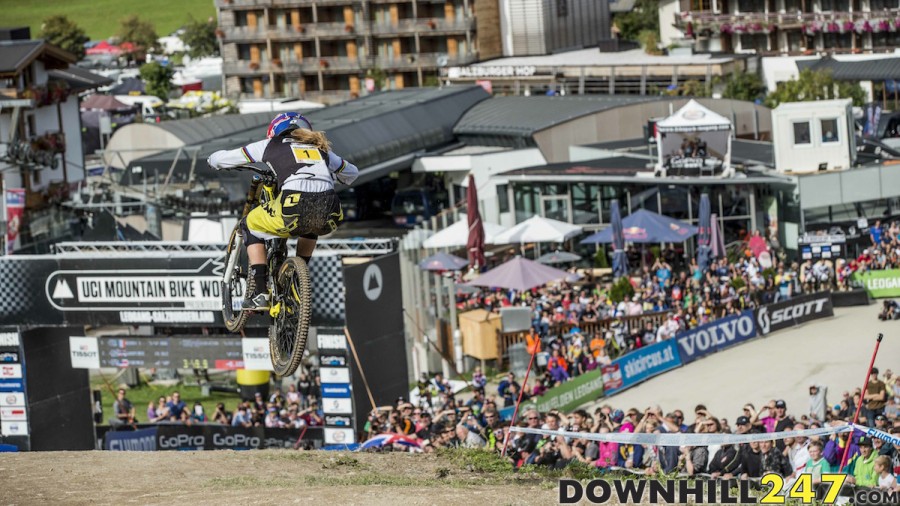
[
  {"x": 323, "y": 63},
  {"x": 220, "y": 33},
  {"x": 254, "y": 65},
  {"x": 348, "y": 28},
  {"x": 432, "y": 24},
  {"x": 276, "y": 62}
]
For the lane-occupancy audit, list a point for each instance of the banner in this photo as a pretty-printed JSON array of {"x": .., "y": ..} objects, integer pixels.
[
  {"x": 571, "y": 394},
  {"x": 136, "y": 288},
  {"x": 640, "y": 365},
  {"x": 879, "y": 284},
  {"x": 221, "y": 437},
  {"x": 256, "y": 354},
  {"x": 84, "y": 352},
  {"x": 143, "y": 440},
  {"x": 715, "y": 336},
  {"x": 15, "y": 208},
  {"x": 795, "y": 311}
]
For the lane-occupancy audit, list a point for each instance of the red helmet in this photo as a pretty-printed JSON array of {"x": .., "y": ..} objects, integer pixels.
[{"x": 285, "y": 122}]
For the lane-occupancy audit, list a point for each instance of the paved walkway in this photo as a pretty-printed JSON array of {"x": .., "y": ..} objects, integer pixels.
[{"x": 833, "y": 351}]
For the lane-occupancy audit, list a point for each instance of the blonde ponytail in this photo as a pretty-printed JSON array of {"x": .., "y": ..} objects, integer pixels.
[{"x": 311, "y": 137}]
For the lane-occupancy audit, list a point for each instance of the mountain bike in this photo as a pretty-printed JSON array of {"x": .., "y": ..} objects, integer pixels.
[{"x": 289, "y": 283}]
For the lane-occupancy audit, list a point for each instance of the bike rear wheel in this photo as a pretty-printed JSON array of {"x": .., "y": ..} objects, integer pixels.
[
  {"x": 234, "y": 291},
  {"x": 288, "y": 334}
]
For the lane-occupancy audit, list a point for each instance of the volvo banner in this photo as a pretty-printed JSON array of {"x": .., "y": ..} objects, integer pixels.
[
  {"x": 715, "y": 336},
  {"x": 130, "y": 288},
  {"x": 795, "y": 311}
]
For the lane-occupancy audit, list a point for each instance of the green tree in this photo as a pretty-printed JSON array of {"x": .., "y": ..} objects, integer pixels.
[
  {"x": 138, "y": 32},
  {"x": 644, "y": 16},
  {"x": 200, "y": 37},
  {"x": 811, "y": 86},
  {"x": 744, "y": 86},
  {"x": 158, "y": 79},
  {"x": 64, "y": 33}
]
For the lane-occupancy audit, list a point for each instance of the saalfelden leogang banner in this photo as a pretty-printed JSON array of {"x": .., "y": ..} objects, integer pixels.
[
  {"x": 573, "y": 393},
  {"x": 879, "y": 284}
]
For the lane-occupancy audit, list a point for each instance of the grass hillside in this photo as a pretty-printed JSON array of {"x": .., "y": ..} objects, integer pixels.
[{"x": 100, "y": 18}]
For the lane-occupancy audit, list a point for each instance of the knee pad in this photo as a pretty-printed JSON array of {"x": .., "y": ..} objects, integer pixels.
[{"x": 249, "y": 238}]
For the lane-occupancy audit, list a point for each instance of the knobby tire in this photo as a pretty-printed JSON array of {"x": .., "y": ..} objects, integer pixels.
[{"x": 288, "y": 334}]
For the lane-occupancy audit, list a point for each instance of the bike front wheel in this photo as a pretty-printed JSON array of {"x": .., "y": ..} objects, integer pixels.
[
  {"x": 288, "y": 334},
  {"x": 235, "y": 284}
]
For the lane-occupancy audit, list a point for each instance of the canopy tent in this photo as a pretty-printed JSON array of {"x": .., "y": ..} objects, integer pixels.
[
  {"x": 130, "y": 86},
  {"x": 538, "y": 229},
  {"x": 104, "y": 103},
  {"x": 558, "y": 257},
  {"x": 644, "y": 226},
  {"x": 104, "y": 48},
  {"x": 519, "y": 274},
  {"x": 694, "y": 138},
  {"x": 457, "y": 235},
  {"x": 443, "y": 262}
]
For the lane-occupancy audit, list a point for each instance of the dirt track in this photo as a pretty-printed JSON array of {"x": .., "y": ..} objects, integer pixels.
[{"x": 259, "y": 477}]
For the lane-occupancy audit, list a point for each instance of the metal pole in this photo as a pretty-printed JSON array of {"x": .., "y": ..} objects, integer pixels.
[
  {"x": 862, "y": 395},
  {"x": 454, "y": 326},
  {"x": 519, "y": 400}
]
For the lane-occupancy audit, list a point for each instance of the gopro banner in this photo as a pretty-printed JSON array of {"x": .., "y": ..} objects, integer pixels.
[
  {"x": 795, "y": 311},
  {"x": 221, "y": 437},
  {"x": 640, "y": 365},
  {"x": 715, "y": 336}
]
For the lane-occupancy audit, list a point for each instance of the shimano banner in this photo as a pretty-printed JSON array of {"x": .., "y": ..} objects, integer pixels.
[
  {"x": 795, "y": 311},
  {"x": 143, "y": 440},
  {"x": 715, "y": 336},
  {"x": 640, "y": 365}
]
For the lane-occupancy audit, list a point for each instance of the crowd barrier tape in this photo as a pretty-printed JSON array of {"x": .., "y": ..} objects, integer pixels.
[
  {"x": 682, "y": 439},
  {"x": 873, "y": 432}
]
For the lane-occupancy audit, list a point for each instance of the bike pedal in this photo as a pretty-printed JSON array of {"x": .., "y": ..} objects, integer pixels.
[{"x": 275, "y": 310}]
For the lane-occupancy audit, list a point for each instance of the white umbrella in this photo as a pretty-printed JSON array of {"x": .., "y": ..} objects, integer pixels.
[
  {"x": 457, "y": 235},
  {"x": 538, "y": 229}
]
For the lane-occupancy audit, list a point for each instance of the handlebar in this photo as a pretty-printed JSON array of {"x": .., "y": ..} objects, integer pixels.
[{"x": 262, "y": 168}]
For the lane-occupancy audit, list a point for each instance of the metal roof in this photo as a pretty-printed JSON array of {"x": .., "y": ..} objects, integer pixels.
[
  {"x": 743, "y": 151},
  {"x": 15, "y": 55},
  {"x": 369, "y": 131},
  {"x": 880, "y": 69},
  {"x": 80, "y": 79},
  {"x": 512, "y": 121}
]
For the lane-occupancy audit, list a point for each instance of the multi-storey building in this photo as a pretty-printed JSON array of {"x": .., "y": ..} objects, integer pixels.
[
  {"x": 325, "y": 49},
  {"x": 783, "y": 27}
]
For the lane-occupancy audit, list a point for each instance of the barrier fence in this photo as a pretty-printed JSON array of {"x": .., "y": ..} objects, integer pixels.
[{"x": 206, "y": 436}]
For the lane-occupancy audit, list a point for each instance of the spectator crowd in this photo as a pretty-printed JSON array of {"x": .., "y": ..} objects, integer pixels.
[{"x": 443, "y": 420}]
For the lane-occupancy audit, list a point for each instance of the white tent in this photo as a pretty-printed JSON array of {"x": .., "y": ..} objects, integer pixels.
[
  {"x": 457, "y": 235},
  {"x": 538, "y": 229},
  {"x": 694, "y": 138}
]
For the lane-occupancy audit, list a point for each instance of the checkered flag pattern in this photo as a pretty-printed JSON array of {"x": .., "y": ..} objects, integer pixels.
[
  {"x": 327, "y": 288},
  {"x": 23, "y": 294}
]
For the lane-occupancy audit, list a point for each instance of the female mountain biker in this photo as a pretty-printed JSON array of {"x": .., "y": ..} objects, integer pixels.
[{"x": 306, "y": 206}]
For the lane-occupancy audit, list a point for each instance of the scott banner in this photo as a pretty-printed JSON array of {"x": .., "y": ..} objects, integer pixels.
[
  {"x": 640, "y": 365},
  {"x": 879, "y": 284},
  {"x": 715, "y": 336},
  {"x": 795, "y": 311}
]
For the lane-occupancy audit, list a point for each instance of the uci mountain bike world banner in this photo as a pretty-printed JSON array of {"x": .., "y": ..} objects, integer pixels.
[{"x": 131, "y": 288}]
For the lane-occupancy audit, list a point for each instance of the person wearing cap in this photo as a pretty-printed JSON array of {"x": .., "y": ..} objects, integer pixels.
[
  {"x": 875, "y": 398},
  {"x": 861, "y": 471},
  {"x": 783, "y": 422}
]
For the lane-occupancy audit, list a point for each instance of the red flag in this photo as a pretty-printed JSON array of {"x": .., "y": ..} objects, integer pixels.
[{"x": 475, "y": 244}]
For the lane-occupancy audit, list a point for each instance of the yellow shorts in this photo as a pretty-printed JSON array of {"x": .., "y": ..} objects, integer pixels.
[{"x": 296, "y": 214}]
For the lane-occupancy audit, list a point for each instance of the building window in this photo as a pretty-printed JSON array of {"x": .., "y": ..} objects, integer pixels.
[
  {"x": 503, "y": 198},
  {"x": 562, "y": 8},
  {"x": 829, "y": 130},
  {"x": 801, "y": 133}
]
